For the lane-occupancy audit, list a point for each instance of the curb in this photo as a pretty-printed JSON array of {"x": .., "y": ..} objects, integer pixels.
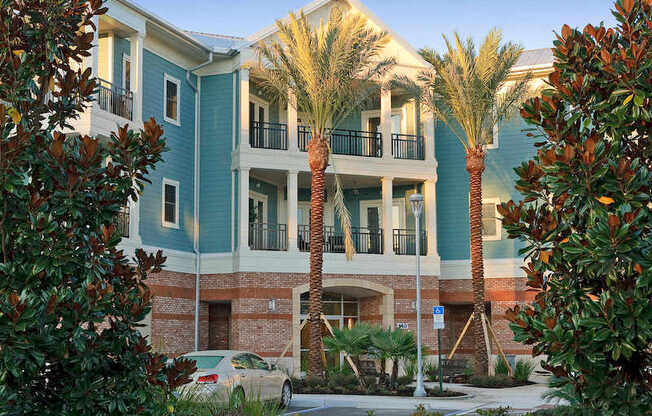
[{"x": 359, "y": 401}]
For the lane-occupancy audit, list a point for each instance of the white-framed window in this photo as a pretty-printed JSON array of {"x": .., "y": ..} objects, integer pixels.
[
  {"x": 126, "y": 72},
  {"x": 170, "y": 203},
  {"x": 171, "y": 100},
  {"x": 371, "y": 121},
  {"x": 258, "y": 109},
  {"x": 257, "y": 207},
  {"x": 491, "y": 223}
]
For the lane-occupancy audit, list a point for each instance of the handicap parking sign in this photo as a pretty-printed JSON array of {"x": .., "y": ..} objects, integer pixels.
[{"x": 438, "y": 317}]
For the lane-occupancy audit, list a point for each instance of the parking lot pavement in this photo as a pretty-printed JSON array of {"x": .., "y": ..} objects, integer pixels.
[{"x": 352, "y": 411}]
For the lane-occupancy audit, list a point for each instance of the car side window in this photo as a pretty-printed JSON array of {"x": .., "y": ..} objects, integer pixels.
[
  {"x": 258, "y": 363},
  {"x": 240, "y": 362}
]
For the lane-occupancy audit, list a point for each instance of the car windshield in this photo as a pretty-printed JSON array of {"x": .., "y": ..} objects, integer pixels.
[{"x": 205, "y": 361}]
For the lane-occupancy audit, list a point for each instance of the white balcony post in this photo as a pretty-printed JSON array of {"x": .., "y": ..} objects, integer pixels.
[
  {"x": 243, "y": 208},
  {"x": 430, "y": 198},
  {"x": 386, "y": 121},
  {"x": 293, "y": 207},
  {"x": 429, "y": 135},
  {"x": 388, "y": 234},
  {"x": 136, "y": 76},
  {"x": 110, "y": 51},
  {"x": 92, "y": 61},
  {"x": 293, "y": 139},
  {"x": 244, "y": 109}
]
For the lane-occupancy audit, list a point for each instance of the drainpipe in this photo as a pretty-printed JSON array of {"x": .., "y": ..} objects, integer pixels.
[{"x": 195, "y": 243}]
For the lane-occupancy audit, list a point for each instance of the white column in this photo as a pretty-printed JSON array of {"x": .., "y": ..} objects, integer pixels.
[
  {"x": 92, "y": 61},
  {"x": 293, "y": 139},
  {"x": 386, "y": 121},
  {"x": 430, "y": 199},
  {"x": 110, "y": 55},
  {"x": 244, "y": 108},
  {"x": 136, "y": 77},
  {"x": 243, "y": 208},
  {"x": 293, "y": 206},
  {"x": 429, "y": 134},
  {"x": 388, "y": 234}
]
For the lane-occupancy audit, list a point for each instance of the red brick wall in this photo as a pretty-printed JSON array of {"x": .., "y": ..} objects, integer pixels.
[{"x": 219, "y": 326}]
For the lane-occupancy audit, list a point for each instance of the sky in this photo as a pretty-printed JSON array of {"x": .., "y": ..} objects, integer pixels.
[{"x": 421, "y": 22}]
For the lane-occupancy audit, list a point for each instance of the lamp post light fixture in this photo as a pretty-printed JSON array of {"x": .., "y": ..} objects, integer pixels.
[{"x": 416, "y": 201}]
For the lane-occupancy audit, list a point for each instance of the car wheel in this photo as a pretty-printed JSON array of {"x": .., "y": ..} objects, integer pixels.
[
  {"x": 237, "y": 398},
  {"x": 286, "y": 395}
]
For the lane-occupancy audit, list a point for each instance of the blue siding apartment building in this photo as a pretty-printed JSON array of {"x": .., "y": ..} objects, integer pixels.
[{"x": 230, "y": 204}]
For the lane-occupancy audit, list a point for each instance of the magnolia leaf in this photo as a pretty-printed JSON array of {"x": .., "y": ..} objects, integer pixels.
[
  {"x": 605, "y": 200},
  {"x": 545, "y": 256},
  {"x": 628, "y": 99},
  {"x": 18, "y": 52},
  {"x": 15, "y": 115}
]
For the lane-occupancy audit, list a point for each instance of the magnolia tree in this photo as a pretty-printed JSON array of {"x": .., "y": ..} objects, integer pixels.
[
  {"x": 70, "y": 302},
  {"x": 586, "y": 217}
]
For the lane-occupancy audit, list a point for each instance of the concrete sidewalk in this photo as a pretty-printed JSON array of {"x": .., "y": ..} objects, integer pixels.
[{"x": 521, "y": 398}]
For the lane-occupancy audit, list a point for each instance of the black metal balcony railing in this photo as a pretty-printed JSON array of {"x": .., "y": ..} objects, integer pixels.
[
  {"x": 365, "y": 240},
  {"x": 115, "y": 99},
  {"x": 264, "y": 135},
  {"x": 405, "y": 243},
  {"x": 346, "y": 142},
  {"x": 408, "y": 146},
  {"x": 272, "y": 237},
  {"x": 123, "y": 222}
]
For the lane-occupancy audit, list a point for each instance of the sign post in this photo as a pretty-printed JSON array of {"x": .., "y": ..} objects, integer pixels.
[{"x": 438, "y": 324}]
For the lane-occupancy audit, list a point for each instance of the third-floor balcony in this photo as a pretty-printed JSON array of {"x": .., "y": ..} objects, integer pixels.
[
  {"x": 265, "y": 135},
  {"x": 346, "y": 142},
  {"x": 408, "y": 146},
  {"x": 114, "y": 99}
]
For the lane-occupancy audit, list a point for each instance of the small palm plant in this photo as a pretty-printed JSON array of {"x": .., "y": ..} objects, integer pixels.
[
  {"x": 331, "y": 70},
  {"x": 393, "y": 344},
  {"x": 468, "y": 90},
  {"x": 354, "y": 342}
]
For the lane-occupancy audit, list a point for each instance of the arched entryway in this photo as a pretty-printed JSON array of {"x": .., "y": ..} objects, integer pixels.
[{"x": 345, "y": 302}]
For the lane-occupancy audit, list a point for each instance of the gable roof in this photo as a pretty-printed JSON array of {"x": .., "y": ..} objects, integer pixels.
[
  {"x": 213, "y": 40},
  {"x": 535, "y": 58}
]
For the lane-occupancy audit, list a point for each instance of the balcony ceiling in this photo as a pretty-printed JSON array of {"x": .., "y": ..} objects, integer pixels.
[{"x": 278, "y": 177}]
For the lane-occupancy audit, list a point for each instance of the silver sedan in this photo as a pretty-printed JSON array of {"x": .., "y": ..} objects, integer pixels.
[{"x": 238, "y": 375}]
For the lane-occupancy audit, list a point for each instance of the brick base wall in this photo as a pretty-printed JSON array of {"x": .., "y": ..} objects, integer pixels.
[{"x": 235, "y": 312}]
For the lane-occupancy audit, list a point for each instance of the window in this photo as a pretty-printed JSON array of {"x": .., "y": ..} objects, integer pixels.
[
  {"x": 240, "y": 362},
  {"x": 257, "y": 362},
  {"x": 170, "y": 203},
  {"x": 491, "y": 224},
  {"x": 205, "y": 361},
  {"x": 126, "y": 72},
  {"x": 171, "y": 92}
]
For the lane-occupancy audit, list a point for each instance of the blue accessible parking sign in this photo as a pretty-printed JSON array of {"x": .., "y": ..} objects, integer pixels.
[{"x": 438, "y": 317}]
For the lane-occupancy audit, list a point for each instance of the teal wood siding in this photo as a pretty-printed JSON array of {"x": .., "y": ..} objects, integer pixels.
[
  {"x": 352, "y": 121},
  {"x": 497, "y": 182},
  {"x": 216, "y": 130},
  {"x": 271, "y": 192},
  {"x": 178, "y": 162},
  {"x": 121, "y": 47}
]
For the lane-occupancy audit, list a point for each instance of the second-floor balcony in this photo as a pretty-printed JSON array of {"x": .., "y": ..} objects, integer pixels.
[
  {"x": 114, "y": 99},
  {"x": 405, "y": 243},
  {"x": 123, "y": 222},
  {"x": 365, "y": 240},
  {"x": 346, "y": 142},
  {"x": 273, "y": 237},
  {"x": 265, "y": 135}
]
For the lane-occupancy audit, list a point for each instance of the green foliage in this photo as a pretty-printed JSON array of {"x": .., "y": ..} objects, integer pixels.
[
  {"x": 431, "y": 371},
  {"x": 495, "y": 382},
  {"x": 70, "y": 302},
  {"x": 196, "y": 403},
  {"x": 498, "y": 411},
  {"x": 500, "y": 368},
  {"x": 422, "y": 411},
  {"x": 586, "y": 218},
  {"x": 410, "y": 368},
  {"x": 355, "y": 341},
  {"x": 523, "y": 370},
  {"x": 393, "y": 344}
]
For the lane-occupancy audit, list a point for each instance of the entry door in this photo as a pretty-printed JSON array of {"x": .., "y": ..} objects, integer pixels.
[{"x": 374, "y": 226}]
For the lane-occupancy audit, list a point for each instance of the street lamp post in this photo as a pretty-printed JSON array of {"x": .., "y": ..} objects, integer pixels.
[{"x": 416, "y": 200}]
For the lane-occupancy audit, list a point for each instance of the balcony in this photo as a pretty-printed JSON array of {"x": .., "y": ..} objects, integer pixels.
[
  {"x": 346, "y": 142},
  {"x": 408, "y": 146},
  {"x": 270, "y": 237},
  {"x": 405, "y": 243},
  {"x": 365, "y": 240},
  {"x": 115, "y": 100},
  {"x": 264, "y": 135},
  {"x": 123, "y": 222}
]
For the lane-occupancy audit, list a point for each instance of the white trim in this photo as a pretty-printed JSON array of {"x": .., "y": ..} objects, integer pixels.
[
  {"x": 167, "y": 77},
  {"x": 258, "y": 197},
  {"x": 235, "y": 112},
  {"x": 494, "y": 268},
  {"x": 365, "y": 115},
  {"x": 258, "y": 102},
  {"x": 126, "y": 58},
  {"x": 368, "y": 203},
  {"x": 164, "y": 223},
  {"x": 234, "y": 194},
  {"x": 499, "y": 223}
]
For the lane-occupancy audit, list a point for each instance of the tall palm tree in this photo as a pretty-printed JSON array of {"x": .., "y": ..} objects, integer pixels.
[
  {"x": 468, "y": 90},
  {"x": 331, "y": 70}
]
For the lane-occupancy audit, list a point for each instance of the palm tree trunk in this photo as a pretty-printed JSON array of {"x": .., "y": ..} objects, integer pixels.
[
  {"x": 318, "y": 160},
  {"x": 475, "y": 166}
]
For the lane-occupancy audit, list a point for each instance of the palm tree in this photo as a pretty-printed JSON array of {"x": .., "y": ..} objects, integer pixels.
[
  {"x": 393, "y": 344},
  {"x": 354, "y": 342},
  {"x": 330, "y": 70},
  {"x": 467, "y": 89}
]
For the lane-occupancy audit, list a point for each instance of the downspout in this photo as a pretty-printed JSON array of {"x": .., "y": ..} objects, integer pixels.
[{"x": 195, "y": 243}]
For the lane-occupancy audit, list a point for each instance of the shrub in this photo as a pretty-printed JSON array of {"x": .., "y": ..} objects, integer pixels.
[
  {"x": 404, "y": 380},
  {"x": 585, "y": 218},
  {"x": 523, "y": 370},
  {"x": 494, "y": 382},
  {"x": 499, "y": 411},
  {"x": 421, "y": 411},
  {"x": 70, "y": 301},
  {"x": 431, "y": 371},
  {"x": 410, "y": 368},
  {"x": 500, "y": 369}
]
